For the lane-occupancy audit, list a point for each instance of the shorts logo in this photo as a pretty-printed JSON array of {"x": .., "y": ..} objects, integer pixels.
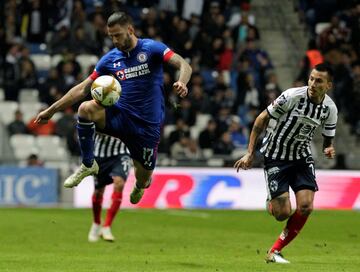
[
  {"x": 273, "y": 185},
  {"x": 142, "y": 57},
  {"x": 273, "y": 170}
]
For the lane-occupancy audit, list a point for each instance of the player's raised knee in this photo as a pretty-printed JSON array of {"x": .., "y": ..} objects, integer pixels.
[{"x": 89, "y": 110}]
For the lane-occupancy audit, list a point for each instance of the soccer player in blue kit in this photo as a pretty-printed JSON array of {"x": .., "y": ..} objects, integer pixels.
[{"x": 138, "y": 116}]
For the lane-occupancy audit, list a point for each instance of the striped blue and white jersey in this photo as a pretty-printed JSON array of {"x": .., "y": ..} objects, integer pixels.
[
  {"x": 294, "y": 119},
  {"x": 107, "y": 146}
]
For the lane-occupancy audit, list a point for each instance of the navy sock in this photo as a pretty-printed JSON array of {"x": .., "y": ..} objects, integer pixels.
[{"x": 86, "y": 132}]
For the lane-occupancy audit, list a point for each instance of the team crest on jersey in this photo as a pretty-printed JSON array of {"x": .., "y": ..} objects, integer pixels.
[
  {"x": 142, "y": 57},
  {"x": 121, "y": 75},
  {"x": 305, "y": 132}
]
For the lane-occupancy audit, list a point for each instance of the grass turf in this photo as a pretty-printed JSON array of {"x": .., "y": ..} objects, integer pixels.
[{"x": 174, "y": 240}]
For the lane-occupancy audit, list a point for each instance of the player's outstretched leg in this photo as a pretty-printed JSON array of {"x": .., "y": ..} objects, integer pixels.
[
  {"x": 143, "y": 181},
  {"x": 137, "y": 193},
  {"x": 80, "y": 174},
  {"x": 86, "y": 132}
]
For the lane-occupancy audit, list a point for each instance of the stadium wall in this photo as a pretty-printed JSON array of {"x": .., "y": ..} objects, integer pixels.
[{"x": 180, "y": 188}]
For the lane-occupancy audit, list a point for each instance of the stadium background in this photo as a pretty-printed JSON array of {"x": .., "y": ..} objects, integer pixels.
[{"x": 243, "y": 54}]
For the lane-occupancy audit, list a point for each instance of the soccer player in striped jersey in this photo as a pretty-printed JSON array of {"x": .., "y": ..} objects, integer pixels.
[
  {"x": 114, "y": 163},
  {"x": 138, "y": 115},
  {"x": 291, "y": 121}
]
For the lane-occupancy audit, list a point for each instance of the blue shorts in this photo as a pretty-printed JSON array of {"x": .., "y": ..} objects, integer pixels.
[
  {"x": 141, "y": 138},
  {"x": 116, "y": 166},
  {"x": 299, "y": 175}
]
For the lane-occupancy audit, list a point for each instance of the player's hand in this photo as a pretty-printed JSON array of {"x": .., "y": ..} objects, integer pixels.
[
  {"x": 329, "y": 152},
  {"x": 43, "y": 117},
  {"x": 180, "y": 88},
  {"x": 245, "y": 162}
]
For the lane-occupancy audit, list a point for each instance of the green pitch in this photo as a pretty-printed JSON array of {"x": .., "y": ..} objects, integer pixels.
[{"x": 43, "y": 240}]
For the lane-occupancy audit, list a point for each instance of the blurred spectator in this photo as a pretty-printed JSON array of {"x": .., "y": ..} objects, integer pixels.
[
  {"x": 225, "y": 145},
  {"x": 243, "y": 31},
  {"x": 272, "y": 89},
  {"x": 35, "y": 20},
  {"x": 312, "y": 57},
  {"x": 12, "y": 72},
  {"x": 181, "y": 130},
  {"x": 53, "y": 88},
  {"x": 28, "y": 75},
  {"x": 199, "y": 100},
  {"x": 34, "y": 161},
  {"x": 66, "y": 124},
  {"x": 17, "y": 126},
  {"x": 60, "y": 41},
  {"x": 80, "y": 43},
  {"x": 41, "y": 129},
  {"x": 185, "y": 148},
  {"x": 239, "y": 134},
  {"x": 208, "y": 137},
  {"x": 186, "y": 112}
]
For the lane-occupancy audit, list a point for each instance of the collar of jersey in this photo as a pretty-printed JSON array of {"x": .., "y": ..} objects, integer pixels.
[
  {"x": 308, "y": 97},
  {"x": 132, "y": 51}
]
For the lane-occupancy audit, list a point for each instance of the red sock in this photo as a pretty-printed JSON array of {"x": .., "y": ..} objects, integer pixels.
[
  {"x": 115, "y": 205},
  {"x": 293, "y": 226},
  {"x": 96, "y": 207}
]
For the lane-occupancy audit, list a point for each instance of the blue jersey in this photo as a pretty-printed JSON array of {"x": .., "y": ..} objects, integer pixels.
[{"x": 140, "y": 73}]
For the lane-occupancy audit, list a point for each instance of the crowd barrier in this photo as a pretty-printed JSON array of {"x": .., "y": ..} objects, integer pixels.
[
  {"x": 224, "y": 188},
  {"x": 180, "y": 188}
]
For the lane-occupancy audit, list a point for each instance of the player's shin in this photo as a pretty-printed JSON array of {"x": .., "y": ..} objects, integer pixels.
[
  {"x": 292, "y": 229},
  {"x": 96, "y": 207},
  {"x": 86, "y": 132},
  {"x": 115, "y": 205}
]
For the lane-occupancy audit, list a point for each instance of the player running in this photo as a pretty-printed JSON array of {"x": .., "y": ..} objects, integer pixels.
[
  {"x": 293, "y": 117},
  {"x": 138, "y": 115},
  {"x": 114, "y": 163}
]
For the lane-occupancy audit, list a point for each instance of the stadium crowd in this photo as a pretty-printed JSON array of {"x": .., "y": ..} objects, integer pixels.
[
  {"x": 233, "y": 77},
  {"x": 333, "y": 29}
]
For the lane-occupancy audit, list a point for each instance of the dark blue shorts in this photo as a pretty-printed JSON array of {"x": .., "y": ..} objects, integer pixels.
[
  {"x": 117, "y": 166},
  {"x": 299, "y": 175},
  {"x": 141, "y": 138}
]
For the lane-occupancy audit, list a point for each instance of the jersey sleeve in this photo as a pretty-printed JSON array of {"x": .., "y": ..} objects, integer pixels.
[
  {"x": 329, "y": 126},
  {"x": 280, "y": 105},
  {"x": 100, "y": 69},
  {"x": 161, "y": 51}
]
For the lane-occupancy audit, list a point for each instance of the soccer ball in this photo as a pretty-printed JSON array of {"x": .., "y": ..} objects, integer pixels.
[{"x": 106, "y": 90}]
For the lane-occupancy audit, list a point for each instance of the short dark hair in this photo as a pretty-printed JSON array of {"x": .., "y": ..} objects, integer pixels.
[
  {"x": 120, "y": 18},
  {"x": 325, "y": 67}
]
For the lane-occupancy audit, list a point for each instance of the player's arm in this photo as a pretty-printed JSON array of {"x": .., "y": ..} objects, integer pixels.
[
  {"x": 259, "y": 126},
  {"x": 185, "y": 73},
  {"x": 75, "y": 94},
  {"x": 328, "y": 147}
]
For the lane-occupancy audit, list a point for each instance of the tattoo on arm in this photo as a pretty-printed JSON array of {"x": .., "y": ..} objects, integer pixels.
[{"x": 257, "y": 129}]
